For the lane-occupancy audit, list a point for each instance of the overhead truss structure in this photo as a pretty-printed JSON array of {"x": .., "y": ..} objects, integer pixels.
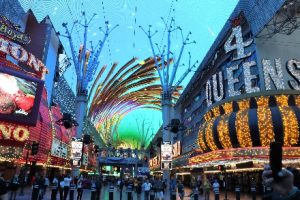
[{"x": 286, "y": 20}]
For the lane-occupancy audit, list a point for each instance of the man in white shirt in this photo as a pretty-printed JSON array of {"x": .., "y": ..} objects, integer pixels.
[
  {"x": 216, "y": 188},
  {"x": 147, "y": 187},
  {"x": 54, "y": 188},
  {"x": 67, "y": 183}
]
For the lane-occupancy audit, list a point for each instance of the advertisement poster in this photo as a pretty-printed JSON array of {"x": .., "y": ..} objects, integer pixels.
[
  {"x": 19, "y": 97},
  {"x": 59, "y": 149},
  {"x": 166, "y": 152},
  {"x": 76, "y": 151}
]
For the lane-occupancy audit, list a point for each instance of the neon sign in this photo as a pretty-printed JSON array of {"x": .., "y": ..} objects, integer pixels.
[
  {"x": 11, "y": 31},
  {"x": 224, "y": 83},
  {"x": 18, "y": 133},
  {"x": 21, "y": 55}
]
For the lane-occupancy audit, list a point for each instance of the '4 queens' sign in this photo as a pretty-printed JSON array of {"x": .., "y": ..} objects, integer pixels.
[{"x": 272, "y": 72}]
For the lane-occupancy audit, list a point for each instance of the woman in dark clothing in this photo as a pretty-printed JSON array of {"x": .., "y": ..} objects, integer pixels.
[
  {"x": 79, "y": 188},
  {"x": 138, "y": 190},
  {"x": 14, "y": 185},
  {"x": 283, "y": 189},
  {"x": 61, "y": 188}
]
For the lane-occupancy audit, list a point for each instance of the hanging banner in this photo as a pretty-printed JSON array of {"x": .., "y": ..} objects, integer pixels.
[
  {"x": 176, "y": 149},
  {"x": 166, "y": 152},
  {"x": 76, "y": 151},
  {"x": 59, "y": 149}
]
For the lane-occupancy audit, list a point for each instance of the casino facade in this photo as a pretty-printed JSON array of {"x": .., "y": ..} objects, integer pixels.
[
  {"x": 34, "y": 97},
  {"x": 245, "y": 93}
]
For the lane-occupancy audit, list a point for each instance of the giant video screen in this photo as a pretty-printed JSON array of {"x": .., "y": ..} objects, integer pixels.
[{"x": 20, "y": 96}]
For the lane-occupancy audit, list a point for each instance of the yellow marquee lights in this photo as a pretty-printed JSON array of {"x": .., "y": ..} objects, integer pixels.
[
  {"x": 209, "y": 136},
  {"x": 265, "y": 124},
  {"x": 289, "y": 120},
  {"x": 14, "y": 132},
  {"x": 207, "y": 116},
  {"x": 216, "y": 111},
  {"x": 223, "y": 132},
  {"x": 10, "y": 153},
  {"x": 290, "y": 154},
  {"x": 201, "y": 142},
  {"x": 242, "y": 124},
  {"x": 228, "y": 108},
  {"x": 297, "y": 100}
]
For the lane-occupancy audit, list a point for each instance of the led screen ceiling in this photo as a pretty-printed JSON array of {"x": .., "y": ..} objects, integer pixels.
[{"x": 129, "y": 41}]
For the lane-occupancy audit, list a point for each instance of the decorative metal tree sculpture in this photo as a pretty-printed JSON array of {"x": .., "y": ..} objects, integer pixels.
[
  {"x": 86, "y": 63},
  {"x": 167, "y": 73}
]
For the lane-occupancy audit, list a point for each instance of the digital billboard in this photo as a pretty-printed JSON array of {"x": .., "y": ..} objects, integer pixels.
[
  {"x": 20, "y": 96},
  {"x": 166, "y": 152},
  {"x": 77, "y": 150}
]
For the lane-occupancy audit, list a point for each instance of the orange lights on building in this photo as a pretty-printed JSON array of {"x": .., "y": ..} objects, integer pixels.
[
  {"x": 290, "y": 155},
  {"x": 209, "y": 136},
  {"x": 297, "y": 100},
  {"x": 201, "y": 141},
  {"x": 14, "y": 132},
  {"x": 289, "y": 120},
  {"x": 242, "y": 124},
  {"x": 265, "y": 124},
  {"x": 228, "y": 108},
  {"x": 223, "y": 132},
  {"x": 216, "y": 111}
]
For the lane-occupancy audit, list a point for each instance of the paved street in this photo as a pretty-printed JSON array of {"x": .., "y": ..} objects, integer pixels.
[{"x": 105, "y": 195}]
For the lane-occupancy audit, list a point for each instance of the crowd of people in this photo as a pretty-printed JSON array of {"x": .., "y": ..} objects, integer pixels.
[{"x": 286, "y": 188}]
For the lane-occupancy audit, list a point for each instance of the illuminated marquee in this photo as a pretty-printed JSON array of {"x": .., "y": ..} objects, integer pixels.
[
  {"x": 21, "y": 55},
  {"x": 12, "y": 31},
  {"x": 18, "y": 133},
  {"x": 273, "y": 72}
]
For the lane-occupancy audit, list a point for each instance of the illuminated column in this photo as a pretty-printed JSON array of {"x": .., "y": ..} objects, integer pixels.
[
  {"x": 166, "y": 67},
  {"x": 85, "y": 63},
  {"x": 166, "y": 104},
  {"x": 81, "y": 106}
]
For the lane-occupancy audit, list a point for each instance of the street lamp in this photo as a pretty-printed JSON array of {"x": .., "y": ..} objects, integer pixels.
[
  {"x": 175, "y": 126},
  {"x": 67, "y": 121}
]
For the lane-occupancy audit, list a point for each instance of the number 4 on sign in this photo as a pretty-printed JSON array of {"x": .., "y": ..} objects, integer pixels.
[{"x": 239, "y": 45}]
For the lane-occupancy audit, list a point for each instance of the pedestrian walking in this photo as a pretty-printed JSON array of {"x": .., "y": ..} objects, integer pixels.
[
  {"x": 121, "y": 185},
  {"x": 67, "y": 183},
  {"x": 61, "y": 189},
  {"x": 206, "y": 188},
  {"x": 46, "y": 184},
  {"x": 216, "y": 189},
  {"x": 98, "y": 188},
  {"x": 173, "y": 186},
  {"x": 37, "y": 185},
  {"x": 180, "y": 189},
  {"x": 79, "y": 188},
  {"x": 3, "y": 187},
  {"x": 147, "y": 187},
  {"x": 14, "y": 185},
  {"x": 138, "y": 189},
  {"x": 54, "y": 187}
]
